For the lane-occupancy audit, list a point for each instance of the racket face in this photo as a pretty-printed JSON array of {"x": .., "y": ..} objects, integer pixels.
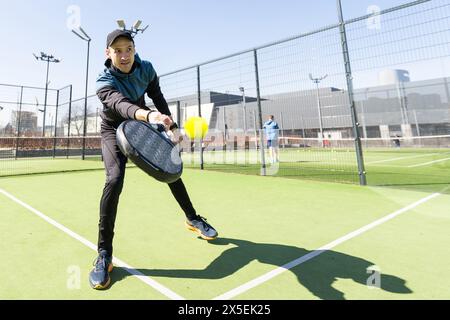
[{"x": 149, "y": 150}]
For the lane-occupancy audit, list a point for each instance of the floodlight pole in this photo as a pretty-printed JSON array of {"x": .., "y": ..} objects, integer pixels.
[
  {"x": 18, "y": 122},
  {"x": 319, "y": 108},
  {"x": 45, "y": 99},
  {"x": 48, "y": 59},
  {"x": 85, "y": 100},
  {"x": 242, "y": 89},
  {"x": 86, "y": 38}
]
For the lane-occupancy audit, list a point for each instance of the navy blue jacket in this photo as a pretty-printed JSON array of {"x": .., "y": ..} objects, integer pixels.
[{"x": 123, "y": 94}]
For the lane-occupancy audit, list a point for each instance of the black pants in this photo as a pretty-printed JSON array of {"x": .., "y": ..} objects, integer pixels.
[{"x": 114, "y": 162}]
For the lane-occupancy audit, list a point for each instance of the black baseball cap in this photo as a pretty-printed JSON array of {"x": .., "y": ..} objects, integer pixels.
[{"x": 116, "y": 34}]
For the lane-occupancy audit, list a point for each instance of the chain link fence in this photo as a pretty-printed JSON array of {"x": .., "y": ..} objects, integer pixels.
[
  {"x": 391, "y": 67},
  {"x": 398, "y": 66},
  {"x": 26, "y": 133}
]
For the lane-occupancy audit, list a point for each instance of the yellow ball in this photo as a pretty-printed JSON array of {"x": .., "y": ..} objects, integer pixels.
[{"x": 196, "y": 128}]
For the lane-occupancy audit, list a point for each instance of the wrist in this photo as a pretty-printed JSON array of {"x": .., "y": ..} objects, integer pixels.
[
  {"x": 148, "y": 115},
  {"x": 173, "y": 126}
]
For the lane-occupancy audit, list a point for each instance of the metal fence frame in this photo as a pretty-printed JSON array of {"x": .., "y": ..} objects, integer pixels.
[
  {"x": 341, "y": 25},
  {"x": 351, "y": 105}
]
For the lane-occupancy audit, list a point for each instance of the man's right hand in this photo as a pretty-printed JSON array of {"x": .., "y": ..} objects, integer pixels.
[
  {"x": 153, "y": 117},
  {"x": 158, "y": 117}
]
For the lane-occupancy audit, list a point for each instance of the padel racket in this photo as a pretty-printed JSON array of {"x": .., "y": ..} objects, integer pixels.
[{"x": 148, "y": 146}]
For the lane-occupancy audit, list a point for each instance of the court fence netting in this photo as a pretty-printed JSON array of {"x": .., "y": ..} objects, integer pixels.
[{"x": 366, "y": 96}]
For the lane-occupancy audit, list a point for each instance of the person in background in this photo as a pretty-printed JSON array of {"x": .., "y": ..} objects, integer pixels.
[{"x": 272, "y": 130}]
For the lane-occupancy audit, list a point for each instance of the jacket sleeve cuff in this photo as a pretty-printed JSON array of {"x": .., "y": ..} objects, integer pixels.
[{"x": 131, "y": 112}]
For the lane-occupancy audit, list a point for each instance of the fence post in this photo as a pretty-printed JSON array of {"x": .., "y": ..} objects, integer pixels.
[
  {"x": 256, "y": 134},
  {"x": 199, "y": 98},
  {"x": 18, "y": 122},
  {"x": 56, "y": 124},
  {"x": 303, "y": 127},
  {"x": 348, "y": 72},
  {"x": 282, "y": 130},
  {"x": 447, "y": 92},
  {"x": 258, "y": 99},
  {"x": 69, "y": 121},
  {"x": 178, "y": 113},
  {"x": 417, "y": 127}
]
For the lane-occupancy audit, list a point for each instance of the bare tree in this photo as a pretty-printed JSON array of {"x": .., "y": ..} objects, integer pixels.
[{"x": 76, "y": 119}]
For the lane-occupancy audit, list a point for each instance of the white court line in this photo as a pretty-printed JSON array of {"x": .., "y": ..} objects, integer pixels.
[
  {"x": 159, "y": 287},
  {"x": 427, "y": 163},
  {"x": 271, "y": 274},
  {"x": 401, "y": 158}
]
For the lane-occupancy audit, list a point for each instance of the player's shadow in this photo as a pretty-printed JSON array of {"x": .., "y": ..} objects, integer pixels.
[{"x": 317, "y": 274}]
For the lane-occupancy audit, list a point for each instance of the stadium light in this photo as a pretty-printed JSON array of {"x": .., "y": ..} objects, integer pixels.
[
  {"x": 121, "y": 24},
  {"x": 317, "y": 81},
  {"x": 137, "y": 24},
  {"x": 242, "y": 89},
  {"x": 134, "y": 29},
  {"x": 48, "y": 58},
  {"x": 83, "y": 36}
]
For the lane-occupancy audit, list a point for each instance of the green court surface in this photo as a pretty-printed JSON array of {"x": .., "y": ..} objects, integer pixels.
[
  {"x": 405, "y": 167},
  {"x": 410, "y": 168},
  {"x": 263, "y": 222}
]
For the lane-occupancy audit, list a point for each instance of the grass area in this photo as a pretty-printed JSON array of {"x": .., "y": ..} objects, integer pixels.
[
  {"x": 11, "y": 167},
  {"x": 19, "y": 167},
  {"x": 426, "y": 169},
  {"x": 263, "y": 223},
  {"x": 410, "y": 168}
]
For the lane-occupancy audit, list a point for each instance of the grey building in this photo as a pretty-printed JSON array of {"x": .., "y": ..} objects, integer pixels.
[
  {"x": 28, "y": 121},
  {"x": 406, "y": 109}
]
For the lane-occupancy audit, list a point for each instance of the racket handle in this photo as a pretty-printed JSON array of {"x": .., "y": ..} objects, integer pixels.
[
  {"x": 162, "y": 129},
  {"x": 158, "y": 126},
  {"x": 165, "y": 135}
]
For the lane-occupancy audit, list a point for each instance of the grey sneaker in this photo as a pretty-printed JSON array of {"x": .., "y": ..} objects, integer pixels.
[
  {"x": 99, "y": 276},
  {"x": 200, "y": 226}
]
